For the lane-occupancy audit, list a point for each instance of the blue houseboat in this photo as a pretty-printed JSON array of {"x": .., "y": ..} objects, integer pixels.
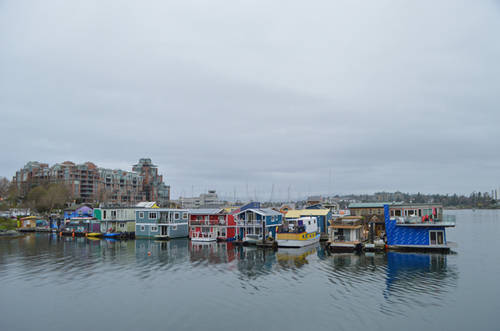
[
  {"x": 252, "y": 222},
  {"x": 417, "y": 232},
  {"x": 161, "y": 223}
]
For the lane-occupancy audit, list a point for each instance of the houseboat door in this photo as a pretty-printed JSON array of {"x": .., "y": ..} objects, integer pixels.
[{"x": 164, "y": 230}]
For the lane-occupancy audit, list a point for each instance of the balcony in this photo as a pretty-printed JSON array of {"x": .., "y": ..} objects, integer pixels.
[
  {"x": 205, "y": 222},
  {"x": 248, "y": 223},
  {"x": 444, "y": 220}
]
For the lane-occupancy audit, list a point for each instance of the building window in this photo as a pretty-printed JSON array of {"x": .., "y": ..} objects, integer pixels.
[
  {"x": 122, "y": 225},
  {"x": 143, "y": 228},
  {"x": 436, "y": 237},
  {"x": 154, "y": 228},
  {"x": 141, "y": 214},
  {"x": 152, "y": 216}
]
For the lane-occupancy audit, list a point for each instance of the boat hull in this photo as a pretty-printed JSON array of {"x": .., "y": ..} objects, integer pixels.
[
  {"x": 296, "y": 243},
  {"x": 94, "y": 234},
  {"x": 203, "y": 239},
  {"x": 345, "y": 247}
]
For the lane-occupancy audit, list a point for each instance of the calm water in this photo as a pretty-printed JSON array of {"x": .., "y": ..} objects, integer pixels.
[{"x": 49, "y": 283}]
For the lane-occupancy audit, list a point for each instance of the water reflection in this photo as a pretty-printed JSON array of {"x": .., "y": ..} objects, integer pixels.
[
  {"x": 418, "y": 274},
  {"x": 296, "y": 257},
  {"x": 402, "y": 279}
]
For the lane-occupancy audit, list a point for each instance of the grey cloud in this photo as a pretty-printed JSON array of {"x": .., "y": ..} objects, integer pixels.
[{"x": 384, "y": 95}]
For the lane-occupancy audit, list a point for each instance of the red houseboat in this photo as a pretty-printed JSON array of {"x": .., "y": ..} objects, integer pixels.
[{"x": 211, "y": 225}]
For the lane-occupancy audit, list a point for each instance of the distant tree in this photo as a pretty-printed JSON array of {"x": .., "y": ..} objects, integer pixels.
[
  {"x": 36, "y": 198},
  {"x": 13, "y": 195},
  {"x": 4, "y": 187},
  {"x": 56, "y": 196}
]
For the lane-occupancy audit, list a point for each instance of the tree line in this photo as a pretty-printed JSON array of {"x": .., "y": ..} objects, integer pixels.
[
  {"x": 42, "y": 198},
  {"x": 473, "y": 200}
]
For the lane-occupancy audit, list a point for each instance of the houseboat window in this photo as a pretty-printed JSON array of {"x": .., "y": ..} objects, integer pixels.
[
  {"x": 113, "y": 213},
  {"x": 143, "y": 228},
  {"x": 104, "y": 214},
  {"x": 152, "y": 215},
  {"x": 174, "y": 227},
  {"x": 436, "y": 237},
  {"x": 122, "y": 225},
  {"x": 176, "y": 216},
  {"x": 184, "y": 216},
  {"x": 154, "y": 228},
  {"x": 141, "y": 214}
]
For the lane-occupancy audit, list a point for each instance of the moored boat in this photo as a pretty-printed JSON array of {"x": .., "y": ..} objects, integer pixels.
[
  {"x": 203, "y": 236},
  {"x": 252, "y": 239},
  {"x": 112, "y": 235},
  {"x": 94, "y": 234},
  {"x": 298, "y": 232}
]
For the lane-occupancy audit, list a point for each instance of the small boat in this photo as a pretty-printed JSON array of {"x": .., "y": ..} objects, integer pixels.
[
  {"x": 94, "y": 234},
  {"x": 203, "y": 236},
  {"x": 252, "y": 239},
  {"x": 112, "y": 235},
  {"x": 298, "y": 232}
]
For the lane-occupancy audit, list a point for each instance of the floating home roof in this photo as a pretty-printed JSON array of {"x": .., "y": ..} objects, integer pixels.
[
  {"x": 391, "y": 204},
  {"x": 306, "y": 212},
  {"x": 369, "y": 204},
  {"x": 262, "y": 211},
  {"x": 147, "y": 204},
  {"x": 206, "y": 211}
]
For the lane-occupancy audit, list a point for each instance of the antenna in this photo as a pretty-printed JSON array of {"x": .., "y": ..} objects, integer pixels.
[
  {"x": 248, "y": 195},
  {"x": 272, "y": 193}
]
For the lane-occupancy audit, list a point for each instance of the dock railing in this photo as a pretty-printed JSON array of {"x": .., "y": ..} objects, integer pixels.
[{"x": 444, "y": 220}]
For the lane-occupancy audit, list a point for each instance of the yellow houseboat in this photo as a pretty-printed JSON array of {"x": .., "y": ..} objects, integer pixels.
[{"x": 298, "y": 232}]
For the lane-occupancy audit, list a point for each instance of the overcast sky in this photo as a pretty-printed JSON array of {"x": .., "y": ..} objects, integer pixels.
[{"x": 313, "y": 97}]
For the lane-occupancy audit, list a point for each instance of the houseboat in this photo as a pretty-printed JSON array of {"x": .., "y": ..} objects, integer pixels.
[
  {"x": 254, "y": 223},
  {"x": 298, "y": 232},
  {"x": 322, "y": 215},
  {"x": 418, "y": 230},
  {"x": 81, "y": 211},
  {"x": 81, "y": 226},
  {"x": 346, "y": 234},
  {"x": 211, "y": 225},
  {"x": 27, "y": 224},
  {"x": 116, "y": 222},
  {"x": 161, "y": 223}
]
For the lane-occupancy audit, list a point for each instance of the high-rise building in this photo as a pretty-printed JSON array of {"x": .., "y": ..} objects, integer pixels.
[
  {"x": 152, "y": 183},
  {"x": 88, "y": 183}
]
